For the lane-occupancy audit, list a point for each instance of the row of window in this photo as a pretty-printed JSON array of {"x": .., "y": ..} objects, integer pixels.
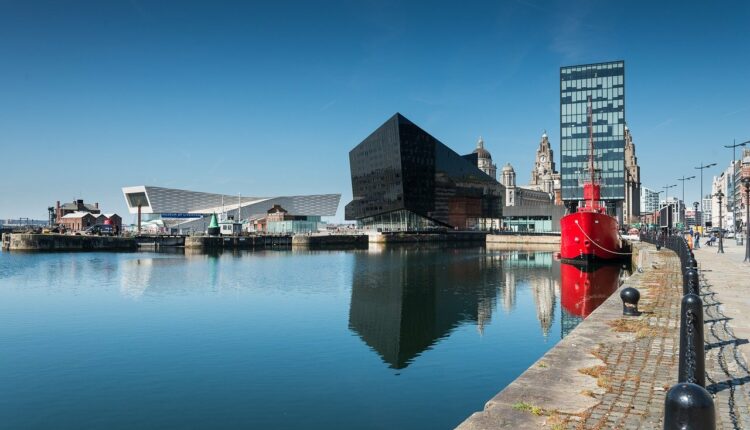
[
  {"x": 599, "y": 132},
  {"x": 591, "y": 82},
  {"x": 578, "y": 103},
  {"x": 593, "y": 70},
  {"x": 597, "y": 118}
]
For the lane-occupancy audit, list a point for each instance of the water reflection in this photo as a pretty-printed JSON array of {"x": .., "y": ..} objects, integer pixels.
[
  {"x": 537, "y": 271},
  {"x": 585, "y": 288},
  {"x": 406, "y": 299}
]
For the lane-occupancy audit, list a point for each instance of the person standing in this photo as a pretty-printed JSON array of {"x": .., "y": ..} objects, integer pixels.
[{"x": 697, "y": 241}]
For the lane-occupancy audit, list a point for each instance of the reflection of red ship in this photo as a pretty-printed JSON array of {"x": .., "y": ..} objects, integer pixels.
[
  {"x": 584, "y": 288},
  {"x": 590, "y": 234}
]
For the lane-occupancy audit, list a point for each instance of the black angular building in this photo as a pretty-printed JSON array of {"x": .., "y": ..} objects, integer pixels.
[{"x": 403, "y": 179}]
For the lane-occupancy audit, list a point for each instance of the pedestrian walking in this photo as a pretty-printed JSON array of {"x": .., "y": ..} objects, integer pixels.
[{"x": 697, "y": 241}]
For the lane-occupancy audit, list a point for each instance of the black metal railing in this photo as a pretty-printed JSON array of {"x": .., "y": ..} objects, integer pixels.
[{"x": 688, "y": 405}]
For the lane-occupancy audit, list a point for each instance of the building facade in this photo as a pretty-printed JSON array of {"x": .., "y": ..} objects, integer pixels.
[
  {"x": 170, "y": 209},
  {"x": 279, "y": 221},
  {"x": 631, "y": 208},
  {"x": 604, "y": 83},
  {"x": 707, "y": 215},
  {"x": 404, "y": 179},
  {"x": 722, "y": 183},
  {"x": 64, "y": 209},
  {"x": 649, "y": 201}
]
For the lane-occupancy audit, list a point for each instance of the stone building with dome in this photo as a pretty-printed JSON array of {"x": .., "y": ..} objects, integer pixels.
[
  {"x": 537, "y": 206},
  {"x": 516, "y": 195},
  {"x": 484, "y": 160}
]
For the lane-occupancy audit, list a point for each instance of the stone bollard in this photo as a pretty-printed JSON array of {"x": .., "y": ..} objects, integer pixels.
[
  {"x": 630, "y": 297},
  {"x": 691, "y": 285},
  {"x": 692, "y": 367},
  {"x": 689, "y": 407}
]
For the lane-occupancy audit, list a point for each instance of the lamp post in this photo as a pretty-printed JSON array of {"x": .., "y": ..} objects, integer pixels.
[
  {"x": 734, "y": 174},
  {"x": 746, "y": 183},
  {"x": 701, "y": 168},
  {"x": 683, "y": 179},
  {"x": 719, "y": 195}
]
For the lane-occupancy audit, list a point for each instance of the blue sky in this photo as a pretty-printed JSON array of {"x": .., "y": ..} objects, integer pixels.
[{"x": 267, "y": 98}]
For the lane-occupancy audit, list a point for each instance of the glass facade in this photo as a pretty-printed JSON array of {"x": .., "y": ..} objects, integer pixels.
[
  {"x": 310, "y": 225},
  {"x": 403, "y": 179},
  {"x": 605, "y": 84},
  {"x": 536, "y": 224}
]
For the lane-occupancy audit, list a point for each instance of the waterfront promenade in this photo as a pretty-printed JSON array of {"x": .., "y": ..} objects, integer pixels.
[
  {"x": 613, "y": 372},
  {"x": 726, "y": 298}
]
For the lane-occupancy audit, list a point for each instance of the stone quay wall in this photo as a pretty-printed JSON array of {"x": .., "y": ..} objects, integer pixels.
[
  {"x": 524, "y": 239},
  {"x": 66, "y": 242}
]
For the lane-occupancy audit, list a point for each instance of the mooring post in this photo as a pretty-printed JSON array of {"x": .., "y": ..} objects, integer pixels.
[
  {"x": 692, "y": 366},
  {"x": 630, "y": 297},
  {"x": 689, "y": 407}
]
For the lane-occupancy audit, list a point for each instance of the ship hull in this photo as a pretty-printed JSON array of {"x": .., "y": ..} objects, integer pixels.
[{"x": 589, "y": 237}]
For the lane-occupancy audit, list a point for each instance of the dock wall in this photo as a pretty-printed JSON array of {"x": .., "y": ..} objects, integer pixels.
[
  {"x": 65, "y": 242},
  {"x": 400, "y": 237},
  {"x": 237, "y": 242},
  {"x": 330, "y": 241},
  {"x": 524, "y": 239}
]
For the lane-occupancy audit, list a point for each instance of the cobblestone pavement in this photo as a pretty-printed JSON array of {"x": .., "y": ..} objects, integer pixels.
[{"x": 725, "y": 281}]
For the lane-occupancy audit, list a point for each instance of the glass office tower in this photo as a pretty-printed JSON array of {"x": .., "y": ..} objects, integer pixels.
[{"x": 605, "y": 84}]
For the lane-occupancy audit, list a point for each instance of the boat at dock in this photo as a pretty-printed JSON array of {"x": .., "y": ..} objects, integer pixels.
[{"x": 590, "y": 233}]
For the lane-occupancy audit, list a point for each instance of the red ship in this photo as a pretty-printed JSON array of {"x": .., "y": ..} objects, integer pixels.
[{"x": 590, "y": 234}]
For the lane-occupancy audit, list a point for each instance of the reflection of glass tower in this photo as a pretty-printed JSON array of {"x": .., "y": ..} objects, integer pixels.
[{"x": 420, "y": 297}]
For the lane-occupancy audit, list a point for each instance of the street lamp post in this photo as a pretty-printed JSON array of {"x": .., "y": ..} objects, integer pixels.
[
  {"x": 701, "y": 168},
  {"x": 734, "y": 173},
  {"x": 683, "y": 179},
  {"x": 719, "y": 195}
]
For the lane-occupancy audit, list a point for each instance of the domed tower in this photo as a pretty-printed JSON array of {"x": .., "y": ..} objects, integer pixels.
[
  {"x": 508, "y": 179},
  {"x": 508, "y": 176},
  {"x": 484, "y": 162}
]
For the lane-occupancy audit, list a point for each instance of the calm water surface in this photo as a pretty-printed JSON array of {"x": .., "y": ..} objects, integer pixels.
[{"x": 383, "y": 338}]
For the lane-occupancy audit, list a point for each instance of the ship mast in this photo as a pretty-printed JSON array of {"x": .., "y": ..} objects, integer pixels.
[{"x": 591, "y": 144}]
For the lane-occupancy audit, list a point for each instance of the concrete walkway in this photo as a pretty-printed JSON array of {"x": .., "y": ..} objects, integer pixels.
[
  {"x": 613, "y": 372},
  {"x": 726, "y": 297}
]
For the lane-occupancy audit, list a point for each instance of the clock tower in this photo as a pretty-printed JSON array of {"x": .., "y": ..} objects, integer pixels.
[{"x": 544, "y": 176}]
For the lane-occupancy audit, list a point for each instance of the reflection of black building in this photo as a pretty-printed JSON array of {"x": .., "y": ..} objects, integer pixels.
[
  {"x": 405, "y": 179},
  {"x": 404, "y": 300}
]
